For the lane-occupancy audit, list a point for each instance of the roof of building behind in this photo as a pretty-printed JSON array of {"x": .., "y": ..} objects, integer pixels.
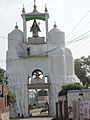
[{"x": 75, "y": 91}]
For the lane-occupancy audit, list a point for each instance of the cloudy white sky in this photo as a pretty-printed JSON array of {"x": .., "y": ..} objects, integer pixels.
[{"x": 71, "y": 16}]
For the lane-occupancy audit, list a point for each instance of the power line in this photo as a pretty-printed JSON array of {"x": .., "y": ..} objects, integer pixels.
[
  {"x": 78, "y": 23},
  {"x": 70, "y": 42},
  {"x": 79, "y": 31},
  {"x": 76, "y": 40},
  {"x": 80, "y": 46},
  {"x": 79, "y": 38},
  {"x": 85, "y": 37},
  {"x": 52, "y": 43},
  {"x": 80, "y": 49}
]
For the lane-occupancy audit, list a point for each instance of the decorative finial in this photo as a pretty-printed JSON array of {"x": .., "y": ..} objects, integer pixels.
[
  {"x": 35, "y": 10},
  {"x": 16, "y": 26},
  {"x": 46, "y": 10},
  {"x": 23, "y": 9},
  {"x": 34, "y": 2},
  {"x": 55, "y": 25}
]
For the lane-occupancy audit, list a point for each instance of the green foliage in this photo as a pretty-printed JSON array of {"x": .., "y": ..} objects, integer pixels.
[
  {"x": 42, "y": 92},
  {"x": 72, "y": 86},
  {"x": 2, "y": 78},
  {"x": 82, "y": 70},
  {"x": 14, "y": 119},
  {"x": 11, "y": 98}
]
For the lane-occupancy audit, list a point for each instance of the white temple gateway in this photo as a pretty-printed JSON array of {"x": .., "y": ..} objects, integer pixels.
[{"x": 37, "y": 62}]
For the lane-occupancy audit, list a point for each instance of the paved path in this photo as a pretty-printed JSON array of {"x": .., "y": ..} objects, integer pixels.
[{"x": 41, "y": 118}]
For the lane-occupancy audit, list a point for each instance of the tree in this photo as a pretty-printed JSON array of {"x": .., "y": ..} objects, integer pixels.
[
  {"x": 2, "y": 78},
  {"x": 11, "y": 98},
  {"x": 82, "y": 70},
  {"x": 42, "y": 92},
  {"x": 72, "y": 86}
]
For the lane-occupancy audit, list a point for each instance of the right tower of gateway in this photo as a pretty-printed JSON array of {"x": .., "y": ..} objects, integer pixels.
[{"x": 61, "y": 65}]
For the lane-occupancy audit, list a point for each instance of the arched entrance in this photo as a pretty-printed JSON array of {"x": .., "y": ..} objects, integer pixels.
[{"x": 38, "y": 87}]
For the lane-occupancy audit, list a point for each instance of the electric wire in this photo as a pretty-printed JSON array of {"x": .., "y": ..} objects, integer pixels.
[
  {"x": 81, "y": 45},
  {"x": 79, "y": 36},
  {"x": 78, "y": 23},
  {"x": 76, "y": 40},
  {"x": 34, "y": 66},
  {"x": 78, "y": 32},
  {"x": 52, "y": 43},
  {"x": 43, "y": 53}
]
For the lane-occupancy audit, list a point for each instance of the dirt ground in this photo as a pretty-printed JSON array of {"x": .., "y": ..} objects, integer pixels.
[
  {"x": 36, "y": 112},
  {"x": 42, "y": 118}
]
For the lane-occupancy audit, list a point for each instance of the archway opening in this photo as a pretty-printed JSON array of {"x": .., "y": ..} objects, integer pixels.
[{"x": 38, "y": 102}]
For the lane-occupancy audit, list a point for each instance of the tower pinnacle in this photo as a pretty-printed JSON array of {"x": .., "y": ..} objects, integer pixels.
[
  {"x": 23, "y": 9},
  {"x": 16, "y": 27},
  {"x": 55, "y": 25},
  {"x": 46, "y": 10},
  {"x": 34, "y": 2},
  {"x": 35, "y": 10}
]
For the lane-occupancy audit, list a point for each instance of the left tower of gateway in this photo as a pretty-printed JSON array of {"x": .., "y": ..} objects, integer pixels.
[{"x": 21, "y": 61}]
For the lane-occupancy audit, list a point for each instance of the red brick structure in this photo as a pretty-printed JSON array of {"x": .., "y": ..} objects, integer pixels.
[{"x": 4, "y": 109}]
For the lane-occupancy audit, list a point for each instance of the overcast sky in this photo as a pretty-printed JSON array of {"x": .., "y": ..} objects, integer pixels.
[{"x": 71, "y": 16}]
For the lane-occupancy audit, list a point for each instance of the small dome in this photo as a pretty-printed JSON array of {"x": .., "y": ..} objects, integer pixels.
[
  {"x": 55, "y": 29},
  {"x": 16, "y": 35},
  {"x": 15, "y": 31},
  {"x": 56, "y": 36}
]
